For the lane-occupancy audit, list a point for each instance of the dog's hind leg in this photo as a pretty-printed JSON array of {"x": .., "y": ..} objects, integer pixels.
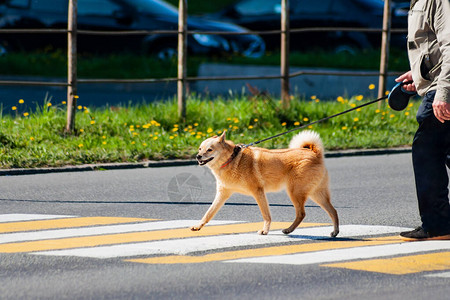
[
  {"x": 298, "y": 200},
  {"x": 322, "y": 197},
  {"x": 263, "y": 205},
  {"x": 221, "y": 196}
]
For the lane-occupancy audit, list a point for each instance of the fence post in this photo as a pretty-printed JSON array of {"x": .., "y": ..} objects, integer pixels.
[
  {"x": 182, "y": 51},
  {"x": 385, "y": 41},
  {"x": 71, "y": 65},
  {"x": 284, "y": 64}
]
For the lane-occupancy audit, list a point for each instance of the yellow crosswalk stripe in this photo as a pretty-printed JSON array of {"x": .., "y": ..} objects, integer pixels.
[
  {"x": 268, "y": 251},
  {"x": 400, "y": 265},
  {"x": 65, "y": 223},
  {"x": 111, "y": 239}
]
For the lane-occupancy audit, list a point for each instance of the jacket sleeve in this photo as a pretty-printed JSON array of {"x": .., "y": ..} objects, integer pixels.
[{"x": 442, "y": 30}]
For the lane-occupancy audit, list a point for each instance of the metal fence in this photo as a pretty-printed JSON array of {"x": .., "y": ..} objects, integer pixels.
[{"x": 182, "y": 79}]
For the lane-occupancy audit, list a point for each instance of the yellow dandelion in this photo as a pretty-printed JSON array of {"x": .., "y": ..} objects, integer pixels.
[
  {"x": 103, "y": 137},
  {"x": 359, "y": 97},
  {"x": 340, "y": 99},
  {"x": 175, "y": 129},
  {"x": 49, "y": 104},
  {"x": 81, "y": 130},
  {"x": 26, "y": 114},
  {"x": 171, "y": 137},
  {"x": 317, "y": 100},
  {"x": 356, "y": 119},
  {"x": 371, "y": 86},
  {"x": 305, "y": 119},
  {"x": 64, "y": 102},
  {"x": 310, "y": 126},
  {"x": 391, "y": 116},
  {"x": 76, "y": 97},
  {"x": 250, "y": 127},
  {"x": 296, "y": 123},
  {"x": 209, "y": 130},
  {"x": 407, "y": 113},
  {"x": 80, "y": 107},
  {"x": 133, "y": 143},
  {"x": 92, "y": 122},
  {"x": 377, "y": 111},
  {"x": 155, "y": 138},
  {"x": 314, "y": 97},
  {"x": 198, "y": 137},
  {"x": 283, "y": 124},
  {"x": 344, "y": 127},
  {"x": 195, "y": 124},
  {"x": 352, "y": 104},
  {"x": 175, "y": 125},
  {"x": 14, "y": 108},
  {"x": 255, "y": 120},
  {"x": 411, "y": 105},
  {"x": 104, "y": 142},
  {"x": 144, "y": 144},
  {"x": 31, "y": 138},
  {"x": 80, "y": 146},
  {"x": 21, "y": 101}
]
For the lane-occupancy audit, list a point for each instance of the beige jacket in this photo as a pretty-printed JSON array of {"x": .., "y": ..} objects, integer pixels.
[{"x": 429, "y": 47}]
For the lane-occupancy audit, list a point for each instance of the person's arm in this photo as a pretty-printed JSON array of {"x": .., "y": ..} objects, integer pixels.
[{"x": 441, "y": 24}]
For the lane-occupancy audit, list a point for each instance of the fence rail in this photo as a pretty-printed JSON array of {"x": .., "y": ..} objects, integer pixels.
[{"x": 182, "y": 33}]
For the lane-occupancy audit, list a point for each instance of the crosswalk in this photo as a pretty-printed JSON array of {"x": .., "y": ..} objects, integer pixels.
[{"x": 367, "y": 248}]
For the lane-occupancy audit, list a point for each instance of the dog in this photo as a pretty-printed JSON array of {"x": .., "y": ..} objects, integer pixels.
[{"x": 253, "y": 171}]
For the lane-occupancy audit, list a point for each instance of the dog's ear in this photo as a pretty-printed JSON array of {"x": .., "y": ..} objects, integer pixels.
[{"x": 222, "y": 137}]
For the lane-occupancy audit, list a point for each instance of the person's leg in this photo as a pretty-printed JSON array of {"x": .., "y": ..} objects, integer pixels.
[{"x": 430, "y": 154}]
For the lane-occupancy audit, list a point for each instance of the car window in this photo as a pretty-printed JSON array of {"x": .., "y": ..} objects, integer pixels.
[
  {"x": 49, "y": 6},
  {"x": 311, "y": 7},
  {"x": 258, "y": 7},
  {"x": 97, "y": 8},
  {"x": 154, "y": 7},
  {"x": 19, "y": 3}
]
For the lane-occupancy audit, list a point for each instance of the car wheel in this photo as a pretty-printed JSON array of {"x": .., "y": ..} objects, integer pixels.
[
  {"x": 166, "y": 53},
  {"x": 346, "y": 48},
  {"x": 3, "y": 50}
]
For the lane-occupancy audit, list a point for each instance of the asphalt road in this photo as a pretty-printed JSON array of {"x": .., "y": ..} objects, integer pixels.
[{"x": 375, "y": 193}]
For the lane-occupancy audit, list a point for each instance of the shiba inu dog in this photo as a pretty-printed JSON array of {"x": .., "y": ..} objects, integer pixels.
[{"x": 253, "y": 171}]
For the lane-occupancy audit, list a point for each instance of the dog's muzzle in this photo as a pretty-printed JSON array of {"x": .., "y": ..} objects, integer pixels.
[{"x": 203, "y": 162}]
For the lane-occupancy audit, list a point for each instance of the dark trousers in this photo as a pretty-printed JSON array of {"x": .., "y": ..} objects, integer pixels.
[{"x": 431, "y": 154}]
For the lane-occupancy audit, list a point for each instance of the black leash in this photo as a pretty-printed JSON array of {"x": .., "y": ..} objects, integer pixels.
[{"x": 318, "y": 121}]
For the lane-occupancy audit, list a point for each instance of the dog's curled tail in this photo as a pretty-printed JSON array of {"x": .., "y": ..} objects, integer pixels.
[{"x": 309, "y": 140}]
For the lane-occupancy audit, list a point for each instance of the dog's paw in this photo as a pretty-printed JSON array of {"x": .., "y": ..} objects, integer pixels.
[
  {"x": 196, "y": 228},
  {"x": 263, "y": 232},
  {"x": 286, "y": 231},
  {"x": 334, "y": 233}
]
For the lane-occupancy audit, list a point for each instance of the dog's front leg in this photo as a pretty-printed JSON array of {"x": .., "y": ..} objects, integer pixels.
[
  {"x": 261, "y": 199},
  {"x": 221, "y": 196}
]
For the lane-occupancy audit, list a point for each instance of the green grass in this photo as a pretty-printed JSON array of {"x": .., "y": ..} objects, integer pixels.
[{"x": 152, "y": 131}]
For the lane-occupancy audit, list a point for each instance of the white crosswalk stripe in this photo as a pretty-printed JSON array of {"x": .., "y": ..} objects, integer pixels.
[
  {"x": 349, "y": 254},
  {"x": 191, "y": 245},
  {"x": 28, "y": 217}
]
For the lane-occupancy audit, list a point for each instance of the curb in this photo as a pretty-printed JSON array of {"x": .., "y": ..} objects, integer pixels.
[{"x": 176, "y": 163}]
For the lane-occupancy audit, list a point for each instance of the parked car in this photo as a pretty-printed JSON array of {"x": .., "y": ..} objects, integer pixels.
[
  {"x": 118, "y": 15},
  {"x": 265, "y": 15}
]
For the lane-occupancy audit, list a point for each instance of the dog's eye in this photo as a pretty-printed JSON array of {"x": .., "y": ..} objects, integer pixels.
[
  {"x": 199, "y": 149},
  {"x": 209, "y": 150}
]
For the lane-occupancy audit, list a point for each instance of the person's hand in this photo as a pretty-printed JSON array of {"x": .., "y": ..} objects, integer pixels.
[
  {"x": 441, "y": 110},
  {"x": 404, "y": 78}
]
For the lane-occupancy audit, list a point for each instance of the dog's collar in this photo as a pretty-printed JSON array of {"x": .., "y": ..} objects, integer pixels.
[{"x": 236, "y": 151}]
